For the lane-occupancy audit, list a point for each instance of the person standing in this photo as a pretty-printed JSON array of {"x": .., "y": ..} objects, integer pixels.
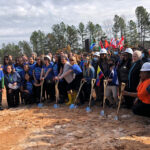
[{"x": 1, "y": 87}]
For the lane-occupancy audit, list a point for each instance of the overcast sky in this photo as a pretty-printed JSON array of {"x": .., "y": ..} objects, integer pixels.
[{"x": 19, "y": 18}]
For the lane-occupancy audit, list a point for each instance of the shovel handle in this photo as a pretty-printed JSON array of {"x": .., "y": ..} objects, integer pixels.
[
  {"x": 104, "y": 98},
  {"x": 120, "y": 96},
  {"x": 92, "y": 86},
  {"x": 81, "y": 84},
  {"x": 56, "y": 91}
]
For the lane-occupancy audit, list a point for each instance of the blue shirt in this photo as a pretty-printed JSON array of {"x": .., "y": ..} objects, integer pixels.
[
  {"x": 89, "y": 74},
  {"x": 19, "y": 69},
  {"x": 76, "y": 69},
  {"x": 31, "y": 67},
  {"x": 46, "y": 68},
  {"x": 1, "y": 75},
  {"x": 12, "y": 78},
  {"x": 29, "y": 86},
  {"x": 55, "y": 69},
  {"x": 37, "y": 72}
]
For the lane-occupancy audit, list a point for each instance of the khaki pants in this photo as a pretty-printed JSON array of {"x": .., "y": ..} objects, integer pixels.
[{"x": 112, "y": 93}]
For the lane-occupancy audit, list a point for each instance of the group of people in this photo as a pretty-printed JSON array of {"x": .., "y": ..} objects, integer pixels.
[{"x": 25, "y": 77}]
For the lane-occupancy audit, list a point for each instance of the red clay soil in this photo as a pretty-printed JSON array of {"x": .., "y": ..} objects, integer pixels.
[{"x": 31, "y": 128}]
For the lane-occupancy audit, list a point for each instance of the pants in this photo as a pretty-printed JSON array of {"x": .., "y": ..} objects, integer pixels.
[
  {"x": 63, "y": 87},
  {"x": 13, "y": 98},
  {"x": 112, "y": 91},
  {"x": 49, "y": 88},
  {"x": 141, "y": 109},
  {"x": 85, "y": 92},
  {"x": 28, "y": 98},
  {"x": 37, "y": 93},
  {"x": 75, "y": 84},
  {"x": 0, "y": 98}
]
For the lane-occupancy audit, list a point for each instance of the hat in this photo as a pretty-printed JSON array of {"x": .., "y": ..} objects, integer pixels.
[
  {"x": 145, "y": 67},
  {"x": 48, "y": 57},
  {"x": 103, "y": 51},
  {"x": 96, "y": 54},
  {"x": 129, "y": 50}
]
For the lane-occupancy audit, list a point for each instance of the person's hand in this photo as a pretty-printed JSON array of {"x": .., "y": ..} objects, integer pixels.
[
  {"x": 125, "y": 93},
  {"x": 9, "y": 91},
  {"x": 84, "y": 80},
  {"x": 15, "y": 84},
  {"x": 109, "y": 80},
  {"x": 26, "y": 91},
  {"x": 56, "y": 78},
  {"x": 42, "y": 78}
]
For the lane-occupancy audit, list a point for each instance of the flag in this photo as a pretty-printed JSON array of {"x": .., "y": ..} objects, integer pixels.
[
  {"x": 114, "y": 43},
  {"x": 100, "y": 75},
  {"x": 115, "y": 77},
  {"x": 92, "y": 46},
  {"x": 117, "y": 43},
  {"x": 101, "y": 44},
  {"x": 93, "y": 43},
  {"x": 121, "y": 43},
  {"x": 106, "y": 44}
]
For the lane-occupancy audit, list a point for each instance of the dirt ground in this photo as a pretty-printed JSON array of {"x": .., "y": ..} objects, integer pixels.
[{"x": 31, "y": 128}]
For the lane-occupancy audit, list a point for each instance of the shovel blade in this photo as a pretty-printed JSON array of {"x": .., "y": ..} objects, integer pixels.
[
  {"x": 56, "y": 106},
  {"x": 116, "y": 118},
  {"x": 40, "y": 105},
  {"x": 88, "y": 109},
  {"x": 72, "y": 106},
  {"x": 102, "y": 113}
]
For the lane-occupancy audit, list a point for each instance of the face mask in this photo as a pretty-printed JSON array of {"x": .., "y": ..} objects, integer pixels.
[
  {"x": 95, "y": 59},
  {"x": 115, "y": 53},
  {"x": 143, "y": 55}
]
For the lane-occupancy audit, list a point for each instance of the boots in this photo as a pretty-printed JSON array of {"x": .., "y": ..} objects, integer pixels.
[{"x": 70, "y": 98}]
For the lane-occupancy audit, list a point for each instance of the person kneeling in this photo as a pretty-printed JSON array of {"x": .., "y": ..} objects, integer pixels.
[
  {"x": 26, "y": 90},
  {"x": 142, "y": 105}
]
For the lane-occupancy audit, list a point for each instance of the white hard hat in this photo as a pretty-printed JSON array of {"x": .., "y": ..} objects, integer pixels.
[
  {"x": 129, "y": 50},
  {"x": 103, "y": 51},
  {"x": 47, "y": 56},
  {"x": 145, "y": 67},
  {"x": 96, "y": 54}
]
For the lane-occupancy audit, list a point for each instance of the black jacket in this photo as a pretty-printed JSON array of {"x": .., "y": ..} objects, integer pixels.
[{"x": 134, "y": 76}]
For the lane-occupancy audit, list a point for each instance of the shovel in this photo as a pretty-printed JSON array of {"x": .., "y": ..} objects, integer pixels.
[
  {"x": 120, "y": 99},
  {"x": 88, "y": 109},
  {"x": 73, "y": 106},
  {"x": 40, "y": 105},
  {"x": 102, "y": 113},
  {"x": 56, "y": 94}
]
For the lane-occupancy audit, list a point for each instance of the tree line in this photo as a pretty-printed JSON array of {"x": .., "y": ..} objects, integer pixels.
[{"x": 135, "y": 34}]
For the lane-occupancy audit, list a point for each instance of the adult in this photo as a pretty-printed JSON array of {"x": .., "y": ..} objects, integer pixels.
[
  {"x": 142, "y": 105},
  {"x": 133, "y": 77}
]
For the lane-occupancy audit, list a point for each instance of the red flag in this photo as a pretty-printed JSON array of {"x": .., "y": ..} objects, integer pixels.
[
  {"x": 122, "y": 39},
  {"x": 106, "y": 44},
  {"x": 121, "y": 43},
  {"x": 101, "y": 44}
]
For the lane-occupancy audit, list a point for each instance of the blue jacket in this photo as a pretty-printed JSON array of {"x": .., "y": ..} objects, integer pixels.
[
  {"x": 12, "y": 78},
  {"x": 88, "y": 74}
]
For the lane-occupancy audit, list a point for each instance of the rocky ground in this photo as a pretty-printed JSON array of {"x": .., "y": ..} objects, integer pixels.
[{"x": 32, "y": 128}]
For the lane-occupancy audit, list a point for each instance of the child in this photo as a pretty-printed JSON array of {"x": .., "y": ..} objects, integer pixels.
[
  {"x": 1, "y": 87},
  {"x": 26, "y": 90},
  {"x": 112, "y": 86}
]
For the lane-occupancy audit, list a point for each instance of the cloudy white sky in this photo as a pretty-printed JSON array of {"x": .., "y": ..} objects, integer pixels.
[{"x": 19, "y": 18}]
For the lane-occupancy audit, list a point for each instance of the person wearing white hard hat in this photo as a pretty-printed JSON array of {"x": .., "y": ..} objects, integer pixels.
[
  {"x": 142, "y": 105},
  {"x": 47, "y": 76},
  {"x": 133, "y": 77},
  {"x": 104, "y": 66},
  {"x": 125, "y": 65}
]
